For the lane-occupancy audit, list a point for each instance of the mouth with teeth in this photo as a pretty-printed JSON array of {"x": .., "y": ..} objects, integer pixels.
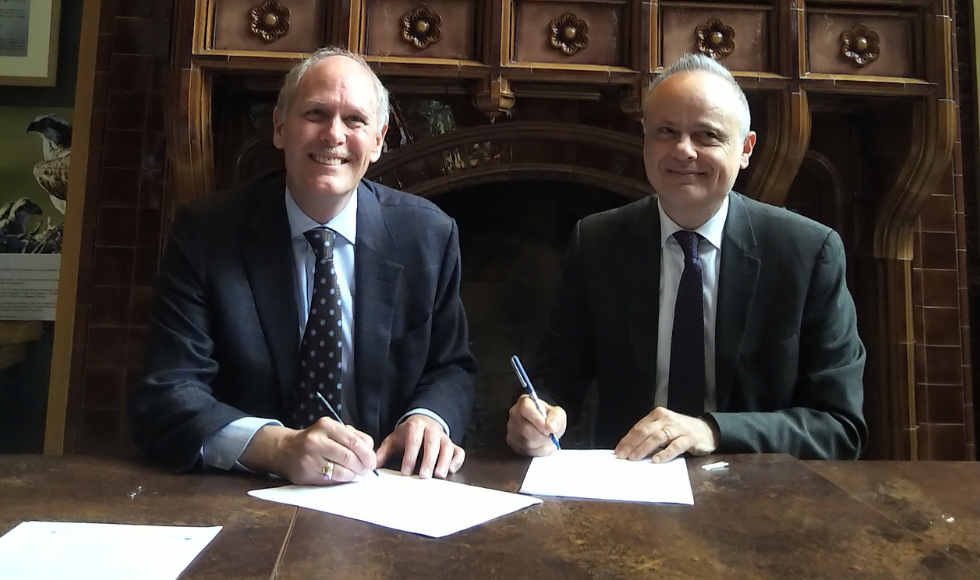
[{"x": 330, "y": 159}]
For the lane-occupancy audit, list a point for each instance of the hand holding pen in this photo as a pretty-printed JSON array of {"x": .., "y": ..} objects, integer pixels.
[
  {"x": 532, "y": 395},
  {"x": 341, "y": 421}
]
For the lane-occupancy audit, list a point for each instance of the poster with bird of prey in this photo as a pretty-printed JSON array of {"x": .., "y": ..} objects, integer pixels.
[{"x": 35, "y": 151}]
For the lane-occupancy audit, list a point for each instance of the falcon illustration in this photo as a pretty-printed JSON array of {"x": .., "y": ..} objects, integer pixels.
[
  {"x": 14, "y": 216},
  {"x": 52, "y": 173}
]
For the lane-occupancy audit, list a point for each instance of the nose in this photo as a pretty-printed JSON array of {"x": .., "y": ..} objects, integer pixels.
[
  {"x": 684, "y": 148},
  {"x": 333, "y": 131}
]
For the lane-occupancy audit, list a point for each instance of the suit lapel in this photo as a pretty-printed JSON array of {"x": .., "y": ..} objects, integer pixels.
[
  {"x": 268, "y": 260},
  {"x": 376, "y": 280},
  {"x": 736, "y": 288},
  {"x": 643, "y": 267}
]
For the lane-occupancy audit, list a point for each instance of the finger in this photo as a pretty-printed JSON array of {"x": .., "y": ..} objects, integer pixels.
[
  {"x": 676, "y": 447},
  {"x": 345, "y": 446},
  {"x": 530, "y": 413},
  {"x": 384, "y": 451},
  {"x": 459, "y": 456},
  {"x": 364, "y": 436},
  {"x": 431, "y": 441},
  {"x": 413, "y": 441},
  {"x": 322, "y": 471},
  {"x": 659, "y": 436},
  {"x": 522, "y": 437},
  {"x": 640, "y": 432},
  {"x": 556, "y": 420},
  {"x": 446, "y": 454}
]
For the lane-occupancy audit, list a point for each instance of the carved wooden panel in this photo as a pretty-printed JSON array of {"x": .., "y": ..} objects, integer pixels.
[
  {"x": 892, "y": 35},
  {"x": 750, "y": 35},
  {"x": 582, "y": 33},
  {"x": 233, "y": 25},
  {"x": 447, "y": 25}
]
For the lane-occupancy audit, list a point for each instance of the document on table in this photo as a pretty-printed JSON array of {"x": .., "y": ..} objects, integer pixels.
[
  {"x": 431, "y": 507},
  {"x": 599, "y": 474},
  {"x": 80, "y": 551}
]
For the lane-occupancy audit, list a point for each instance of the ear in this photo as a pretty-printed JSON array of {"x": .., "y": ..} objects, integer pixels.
[
  {"x": 379, "y": 141},
  {"x": 747, "y": 147},
  {"x": 277, "y": 122}
]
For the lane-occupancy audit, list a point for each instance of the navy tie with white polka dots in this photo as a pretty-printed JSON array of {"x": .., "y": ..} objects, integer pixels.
[{"x": 321, "y": 352}]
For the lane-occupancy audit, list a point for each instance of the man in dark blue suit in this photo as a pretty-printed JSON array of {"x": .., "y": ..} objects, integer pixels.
[
  {"x": 710, "y": 322},
  {"x": 222, "y": 384}
]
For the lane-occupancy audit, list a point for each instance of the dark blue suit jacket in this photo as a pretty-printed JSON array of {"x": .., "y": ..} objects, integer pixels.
[
  {"x": 224, "y": 337},
  {"x": 788, "y": 359}
]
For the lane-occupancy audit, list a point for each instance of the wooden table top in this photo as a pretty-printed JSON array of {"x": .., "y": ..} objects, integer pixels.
[
  {"x": 766, "y": 516},
  {"x": 89, "y": 489}
]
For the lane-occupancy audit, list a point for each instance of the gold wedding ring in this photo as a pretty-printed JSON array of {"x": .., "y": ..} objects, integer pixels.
[
  {"x": 667, "y": 434},
  {"x": 327, "y": 471}
]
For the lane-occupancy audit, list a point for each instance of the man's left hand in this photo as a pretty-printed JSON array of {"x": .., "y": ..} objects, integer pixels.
[
  {"x": 440, "y": 456},
  {"x": 666, "y": 435}
]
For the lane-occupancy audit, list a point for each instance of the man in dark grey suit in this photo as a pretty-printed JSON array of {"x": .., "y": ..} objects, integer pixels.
[
  {"x": 745, "y": 340},
  {"x": 237, "y": 296}
]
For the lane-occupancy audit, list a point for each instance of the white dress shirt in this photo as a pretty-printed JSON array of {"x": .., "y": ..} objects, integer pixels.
[
  {"x": 671, "y": 267},
  {"x": 225, "y": 447}
]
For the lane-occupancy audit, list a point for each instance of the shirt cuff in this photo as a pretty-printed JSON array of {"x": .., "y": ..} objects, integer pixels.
[
  {"x": 427, "y": 413},
  {"x": 224, "y": 448}
]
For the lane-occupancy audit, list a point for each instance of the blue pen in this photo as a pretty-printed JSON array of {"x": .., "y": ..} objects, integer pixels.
[
  {"x": 526, "y": 384},
  {"x": 336, "y": 417}
]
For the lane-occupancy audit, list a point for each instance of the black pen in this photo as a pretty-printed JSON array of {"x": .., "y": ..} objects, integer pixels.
[
  {"x": 338, "y": 419},
  {"x": 529, "y": 389}
]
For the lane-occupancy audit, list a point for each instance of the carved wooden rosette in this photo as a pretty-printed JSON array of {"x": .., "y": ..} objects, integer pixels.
[
  {"x": 270, "y": 21},
  {"x": 860, "y": 44},
  {"x": 715, "y": 39},
  {"x": 421, "y": 27},
  {"x": 568, "y": 34}
]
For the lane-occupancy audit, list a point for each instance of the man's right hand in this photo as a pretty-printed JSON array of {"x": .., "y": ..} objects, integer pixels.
[
  {"x": 304, "y": 456},
  {"x": 529, "y": 433}
]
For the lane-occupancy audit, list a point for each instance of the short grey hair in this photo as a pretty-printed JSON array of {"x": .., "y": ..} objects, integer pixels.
[
  {"x": 692, "y": 63},
  {"x": 291, "y": 83}
]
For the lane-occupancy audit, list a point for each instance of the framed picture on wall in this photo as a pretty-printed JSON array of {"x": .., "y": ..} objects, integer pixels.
[{"x": 29, "y": 42}]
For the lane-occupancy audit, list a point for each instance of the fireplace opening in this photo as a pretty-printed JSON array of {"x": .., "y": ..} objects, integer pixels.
[{"x": 512, "y": 237}]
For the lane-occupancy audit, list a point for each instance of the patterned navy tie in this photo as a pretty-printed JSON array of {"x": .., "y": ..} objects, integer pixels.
[
  {"x": 321, "y": 352},
  {"x": 686, "y": 388}
]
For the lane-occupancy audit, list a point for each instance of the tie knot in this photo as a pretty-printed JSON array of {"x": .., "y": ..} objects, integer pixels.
[
  {"x": 689, "y": 243},
  {"x": 321, "y": 240}
]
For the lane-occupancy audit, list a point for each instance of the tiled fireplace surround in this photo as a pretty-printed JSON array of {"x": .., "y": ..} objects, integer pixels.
[{"x": 512, "y": 234}]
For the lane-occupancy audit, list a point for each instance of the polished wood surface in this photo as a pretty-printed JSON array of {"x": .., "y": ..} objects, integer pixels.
[
  {"x": 939, "y": 501},
  {"x": 88, "y": 489},
  {"x": 766, "y": 516}
]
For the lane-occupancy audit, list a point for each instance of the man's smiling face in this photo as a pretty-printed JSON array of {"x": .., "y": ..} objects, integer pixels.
[
  {"x": 692, "y": 149},
  {"x": 330, "y": 133}
]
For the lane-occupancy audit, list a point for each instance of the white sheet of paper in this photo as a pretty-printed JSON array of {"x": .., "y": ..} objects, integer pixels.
[
  {"x": 81, "y": 551},
  {"x": 572, "y": 473},
  {"x": 431, "y": 507}
]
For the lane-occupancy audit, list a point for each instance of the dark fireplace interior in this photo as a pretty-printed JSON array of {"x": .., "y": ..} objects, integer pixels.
[{"x": 512, "y": 238}]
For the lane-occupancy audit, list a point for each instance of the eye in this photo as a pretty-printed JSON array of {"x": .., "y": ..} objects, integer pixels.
[{"x": 356, "y": 120}]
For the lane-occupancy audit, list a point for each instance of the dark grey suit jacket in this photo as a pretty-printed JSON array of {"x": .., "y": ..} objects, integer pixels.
[
  {"x": 224, "y": 338},
  {"x": 788, "y": 360}
]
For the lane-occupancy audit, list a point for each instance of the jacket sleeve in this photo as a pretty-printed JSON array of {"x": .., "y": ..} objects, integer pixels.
[
  {"x": 825, "y": 419},
  {"x": 445, "y": 386},
  {"x": 172, "y": 409}
]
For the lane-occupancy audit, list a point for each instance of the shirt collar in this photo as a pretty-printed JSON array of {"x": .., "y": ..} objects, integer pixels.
[
  {"x": 712, "y": 230},
  {"x": 344, "y": 223}
]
